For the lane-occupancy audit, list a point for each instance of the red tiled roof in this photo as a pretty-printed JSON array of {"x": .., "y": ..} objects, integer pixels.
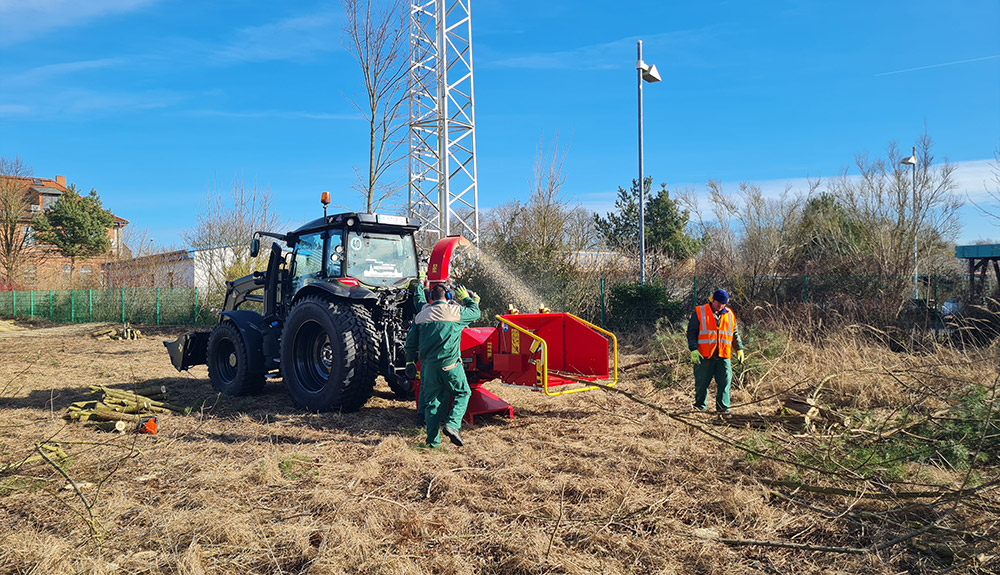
[{"x": 38, "y": 183}]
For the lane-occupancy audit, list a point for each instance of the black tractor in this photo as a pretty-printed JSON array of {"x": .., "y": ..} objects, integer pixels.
[{"x": 330, "y": 314}]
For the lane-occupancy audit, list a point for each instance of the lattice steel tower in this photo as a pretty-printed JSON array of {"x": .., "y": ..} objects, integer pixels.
[{"x": 442, "y": 130}]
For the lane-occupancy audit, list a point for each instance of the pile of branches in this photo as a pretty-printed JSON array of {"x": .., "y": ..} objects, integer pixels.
[
  {"x": 795, "y": 414},
  {"x": 119, "y": 409},
  {"x": 847, "y": 471}
]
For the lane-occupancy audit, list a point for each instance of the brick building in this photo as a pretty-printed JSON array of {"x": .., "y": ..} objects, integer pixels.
[{"x": 43, "y": 266}]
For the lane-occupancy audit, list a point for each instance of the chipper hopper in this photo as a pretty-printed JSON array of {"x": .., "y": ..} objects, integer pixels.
[{"x": 332, "y": 310}]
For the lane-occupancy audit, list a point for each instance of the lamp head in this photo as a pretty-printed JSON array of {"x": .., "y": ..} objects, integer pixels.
[{"x": 650, "y": 73}]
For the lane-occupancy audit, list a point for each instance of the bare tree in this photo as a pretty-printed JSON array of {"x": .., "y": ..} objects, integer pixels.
[
  {"x": 750, "y": 238},
  {"x": 224, "y": 229},
  {"x": 14, "y": 205},
  {"x": 546, "y": 230},
  {"x": 993, "y": 187},
  {"x": 377, "y": 38},
  {"x": 892, "y": 214}
]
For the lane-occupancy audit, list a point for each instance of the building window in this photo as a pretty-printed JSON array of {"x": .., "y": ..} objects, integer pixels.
[
  {"x": 67, "y": 270},
  {"x": 86, "y": 271},
  {"x": 29, "y": 236},
  {"x": 30, "y": 272},
  {"x": 48, "y": 201}
]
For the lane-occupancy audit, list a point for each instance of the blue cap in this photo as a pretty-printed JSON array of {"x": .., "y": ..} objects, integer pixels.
[{"x": 720, "y": 296}]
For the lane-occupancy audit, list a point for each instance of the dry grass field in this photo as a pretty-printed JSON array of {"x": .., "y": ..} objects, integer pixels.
[{"x": 588, "y": 483}]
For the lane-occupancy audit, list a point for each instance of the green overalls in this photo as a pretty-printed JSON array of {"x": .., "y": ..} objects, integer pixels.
[{"x": 435, "y": 339}]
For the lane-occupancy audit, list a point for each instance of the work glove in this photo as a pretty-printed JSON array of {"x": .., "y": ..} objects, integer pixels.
[
  {"x": 739, "y": 355},
  {"x": 420, "y": 281},
  {"x": 411, "y": 370},
  {"x": 461, "y": 293},
  {"x": 475, "y": 297},
  {"x": 695, "y": 357}
]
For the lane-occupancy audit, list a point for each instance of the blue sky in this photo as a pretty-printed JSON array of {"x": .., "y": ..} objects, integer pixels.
[{"x": 154, "y": 102}]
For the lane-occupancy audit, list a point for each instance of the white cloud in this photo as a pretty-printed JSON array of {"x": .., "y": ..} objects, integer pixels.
[
  {"x": 52, "y": 71},
  {"x": 84, "y": 104},
  {"x": 14, "y": 110},
  {"x": 206, "y": 113},
  {"x": 287, "y": 39},
  {"x": 683, "y": 47},
  {"x": 973, "y": 181},
  {"x": 21, "y": 20}
]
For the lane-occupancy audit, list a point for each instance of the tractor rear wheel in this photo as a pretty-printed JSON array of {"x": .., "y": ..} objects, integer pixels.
[
  {"x": 229, "y": 366},
  {"x": 329, "y": 358}
]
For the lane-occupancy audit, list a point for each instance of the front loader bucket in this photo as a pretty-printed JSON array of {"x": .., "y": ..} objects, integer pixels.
[
  {"x": 553, "y": 351},
  {"x": 188, "y": 350}
]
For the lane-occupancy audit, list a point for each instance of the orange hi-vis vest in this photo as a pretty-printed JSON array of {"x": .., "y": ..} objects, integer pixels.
[{"x": 711, "y": 335}]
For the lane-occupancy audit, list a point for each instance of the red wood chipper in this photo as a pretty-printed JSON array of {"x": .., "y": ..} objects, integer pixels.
[{"x": 554, "y": 353}]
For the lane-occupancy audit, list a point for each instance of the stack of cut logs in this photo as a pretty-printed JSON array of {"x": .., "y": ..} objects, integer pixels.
[
  {"x": 117, "y": 333},
  {"x": 121, "y": 410}
]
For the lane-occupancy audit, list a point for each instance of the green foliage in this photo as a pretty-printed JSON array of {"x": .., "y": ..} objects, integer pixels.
[
  {"x": 950, "y": 442},
  {"x": 76, "y": 225},
  {"x": 671, "y": 345},
  {"x": 760, "y": 442},
  {"x": 955, "y": 440},
  {"x": 14, "y": 483},
  {"x": 295, "y": 467},
  {"x": 666, "y": 223},
  {"x": 761, "y": 348},
  {"x": 636, "y": 303}
]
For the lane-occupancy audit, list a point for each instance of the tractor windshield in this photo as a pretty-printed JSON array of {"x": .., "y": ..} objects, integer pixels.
[{"x": 381, "y": 259}]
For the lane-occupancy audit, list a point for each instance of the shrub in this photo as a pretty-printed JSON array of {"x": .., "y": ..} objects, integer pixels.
[{"x": 634, "y": 304}]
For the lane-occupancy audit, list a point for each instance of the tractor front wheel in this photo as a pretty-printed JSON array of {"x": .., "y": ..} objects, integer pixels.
[
  {"x": 328, "y": 357},
  {"x": 229, "y": 366}
]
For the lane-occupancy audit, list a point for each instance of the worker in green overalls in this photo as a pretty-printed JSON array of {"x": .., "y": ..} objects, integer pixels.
[{"x": 435, "y": 339}]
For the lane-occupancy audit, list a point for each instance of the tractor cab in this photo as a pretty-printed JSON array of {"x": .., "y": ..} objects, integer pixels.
[{"x": 371, "y": 250}]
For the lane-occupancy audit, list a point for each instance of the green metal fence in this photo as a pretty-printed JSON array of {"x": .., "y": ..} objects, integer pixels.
[
  {"x": 149, "y": 306},
  {"x": 598, "y": 300}
]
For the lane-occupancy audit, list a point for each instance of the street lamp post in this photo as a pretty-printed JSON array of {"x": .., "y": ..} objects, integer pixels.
[
  {"x": 912, "y": 161},
  {"x": 648, "y": 73}
]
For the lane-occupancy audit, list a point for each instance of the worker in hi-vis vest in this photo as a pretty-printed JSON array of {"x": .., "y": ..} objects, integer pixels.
[{"x": 712, "y": 337}]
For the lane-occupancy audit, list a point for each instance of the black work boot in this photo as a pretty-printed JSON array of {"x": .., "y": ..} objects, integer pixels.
[{"x": 453, "y": 435}]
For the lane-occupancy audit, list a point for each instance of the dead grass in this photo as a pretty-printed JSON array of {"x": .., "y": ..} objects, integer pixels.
[{"x": 586, "y": 483}]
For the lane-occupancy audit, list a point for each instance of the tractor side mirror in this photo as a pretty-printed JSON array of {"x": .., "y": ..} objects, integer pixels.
[{"x": 254, "y": 247}]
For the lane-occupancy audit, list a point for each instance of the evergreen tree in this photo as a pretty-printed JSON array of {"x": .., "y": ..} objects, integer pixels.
[
  {"x": 666, "y": 223},
  {"x": 76, "y": 225}
]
